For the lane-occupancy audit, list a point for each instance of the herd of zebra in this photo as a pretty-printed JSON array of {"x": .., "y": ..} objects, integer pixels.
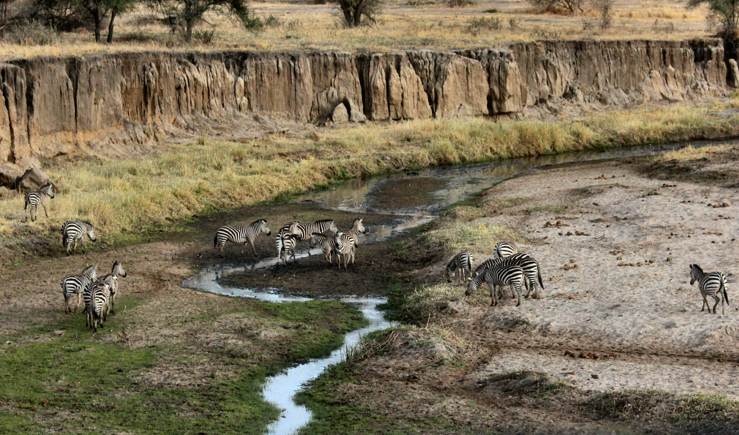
[
  {"x": 98, "y": 293},
  {"x": 507, "y": 268},
  {"x": 323, "y": 233}
]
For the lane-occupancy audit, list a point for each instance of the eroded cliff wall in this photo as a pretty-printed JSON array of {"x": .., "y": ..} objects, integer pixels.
[{"x": 52, "y": 106}]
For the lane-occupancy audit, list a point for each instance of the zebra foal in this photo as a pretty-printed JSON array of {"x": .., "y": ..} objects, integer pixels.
[
  {"x": 241, "y": 235},
  {"x": 711, "y": 284},
  {"x": 76, "y": 284},
  {"x": 288, "y": 244},
  {"x": 73, "y": 231},
  {"x": 499, "y": 275},
  {"x": 327, "y": 245},
  {"x": 36, "y": 197},
  {"x": 349, "y": 241},
  {"x": 98, "y": 304},
  {"x": 461, "y": 264}
]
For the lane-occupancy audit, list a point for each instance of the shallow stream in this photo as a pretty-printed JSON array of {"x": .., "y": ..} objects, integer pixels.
[{"x": 415, "y": 199}]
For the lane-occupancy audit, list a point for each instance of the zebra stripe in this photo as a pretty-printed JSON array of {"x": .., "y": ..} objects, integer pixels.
[
  {"x": 344, "y": 248},
  {"x": 278, "y": 238},
  {"x": 34, "y": 198},
  {"x": 73, "y": 231},
  {"x": 304, "y": 231},
  {"x": 75, "y": 284},
  {"x": 710, "y": 284},
  {"x": 505, "y": 249},
  {"x": 499, "y": 275},
  {"x": 289, "y": 242},
  {"x": 461, "y": 263},
  {"x": 241, "y": 235},
  {"x": 97, "y": 308},
  {"x": 111, "y": 280},
  {"x": 529, "y": 265}
]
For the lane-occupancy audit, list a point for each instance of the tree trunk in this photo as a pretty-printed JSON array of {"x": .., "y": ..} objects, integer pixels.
[
  {"x": 110, "y": 25},
  {"x": 98, "y": 25},
  {"x": 188, "y": 30}
]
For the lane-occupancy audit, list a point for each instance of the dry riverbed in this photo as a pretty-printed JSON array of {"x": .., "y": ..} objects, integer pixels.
[{"x": 618, "y": 341}]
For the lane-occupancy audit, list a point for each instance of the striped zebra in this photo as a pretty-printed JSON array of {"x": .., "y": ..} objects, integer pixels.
[
  {"x": 75, "y": 284},
  {"x": 304, "y": 231},
  {"x": 36, "y": 197},
  {"x": 528, "y": 263},
  {"x": 289, "y": 243},
  {"x": 241, "y": 235},
  {"x": 461, "y": 264},
  {"x": 711, "y": 284},
  {"x": 73, "y": 231},
  {"x": 112, "y": 280},
  {"x": 97, "y": 304},
  {"x": 344, "y": 248},
  {"x": 327, "y": 244},
  {"x": 350, "y": 239},
  {"x": 505, "y": 249},
  {"x": 280, "y": 234},
  {"x": 499, "y": 275}
]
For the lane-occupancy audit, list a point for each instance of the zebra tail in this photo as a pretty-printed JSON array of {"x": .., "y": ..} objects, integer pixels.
[
  {"x": 538, "y": 271},
  {"x": 723, "y": 289},
  {"x": 215, "y": 241}
]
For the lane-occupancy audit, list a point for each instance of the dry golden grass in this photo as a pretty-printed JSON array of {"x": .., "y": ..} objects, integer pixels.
[
  {"x": 400, "y": 26},
  {"x": 124, "y": 197}
]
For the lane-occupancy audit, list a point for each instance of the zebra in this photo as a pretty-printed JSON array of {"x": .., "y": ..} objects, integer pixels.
[
  {"x": 344, "y": 248},
  {"x": 710, "y": 284},
  {"x": 289, "y": 242},
  {"x": 327, "y": 244},
  {"x": 112, "y": 280},
  {"x": 241, "y": 235},
  {"x": 72, "y": 284},
  {"x": 304, "y": 231},
  {"x": 505, "y": 249},
  {"x": 499, "y": 275},
  {"x": 351, "y": 238},
  {"x": 280, "y": 234},
  {"x": 72, "y": 231},
  {"x": 36, "y": 197},
  {"x": 461, "y": 263},
  {"x": 528, "y": 263},
  {"x": 97, "y": 305}
]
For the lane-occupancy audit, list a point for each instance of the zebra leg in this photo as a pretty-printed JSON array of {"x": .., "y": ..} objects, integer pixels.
[
  {"x": 493, "y": 299},
  {"x": 74, "y": 249},
  {"x": 45, "y": 212},
  {"x": 714, "y": 305},
  {"x": 251, "y": 242},
  {"x": 517, "y": 286},
  {"x": 33, "y": 218},
  {"x": 84, "y": 248},
  {"x": 79, "y": 299},
  {"x": 66, "y": 303},
  {"x": 705, "y": 303}
]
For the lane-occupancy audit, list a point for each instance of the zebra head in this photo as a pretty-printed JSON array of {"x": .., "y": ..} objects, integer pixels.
[
  {"x": 118, "y": 270},
  {"x": 472, "y": 283},
  {"x": 695, "y": 273},
  {"x": 90, "y": 231},
  {"x": 358, "y": 226},
  {"x": 48, "y": 190},
  {"x": 262, "y": 227},
  {"x": 90, "y": 272},
  {"x": 294, "y": 228},
  {"x": 332, "y": 227}
]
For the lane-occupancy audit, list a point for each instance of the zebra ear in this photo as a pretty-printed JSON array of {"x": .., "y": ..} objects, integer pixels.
[{"x": 469, "y": 278}]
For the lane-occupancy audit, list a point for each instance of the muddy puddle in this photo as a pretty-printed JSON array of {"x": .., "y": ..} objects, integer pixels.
[{"x": 407, "y": 200}]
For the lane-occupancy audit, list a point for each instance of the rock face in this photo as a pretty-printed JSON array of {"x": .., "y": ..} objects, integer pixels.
[{"x": 52, "y": 106}]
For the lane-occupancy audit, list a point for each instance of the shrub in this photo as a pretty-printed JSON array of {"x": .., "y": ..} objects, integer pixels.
[{"x": 31, "y": 32}]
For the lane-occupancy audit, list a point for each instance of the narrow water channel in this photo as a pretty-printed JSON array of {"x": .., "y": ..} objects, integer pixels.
[{"x": 411, "y": 207}]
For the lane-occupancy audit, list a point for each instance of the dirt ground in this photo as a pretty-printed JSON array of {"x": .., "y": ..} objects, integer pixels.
[{"x": 618, "y": 344}]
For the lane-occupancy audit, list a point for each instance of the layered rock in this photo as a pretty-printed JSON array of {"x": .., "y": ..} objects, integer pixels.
[{"x": 51, "y": 106}]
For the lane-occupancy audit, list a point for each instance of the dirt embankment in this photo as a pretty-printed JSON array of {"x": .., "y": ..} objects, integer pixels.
[
  {"x": 617, "y": 343},
  {"x": 118, "y": 104}
]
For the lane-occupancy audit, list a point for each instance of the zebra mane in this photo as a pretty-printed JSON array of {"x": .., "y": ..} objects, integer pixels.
[
  {"x": 87, "y": 223},
  {"x": 695, "y": 266},
  {"x": 324, "y": 221},
  {"x": 258, "y": 221}
]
